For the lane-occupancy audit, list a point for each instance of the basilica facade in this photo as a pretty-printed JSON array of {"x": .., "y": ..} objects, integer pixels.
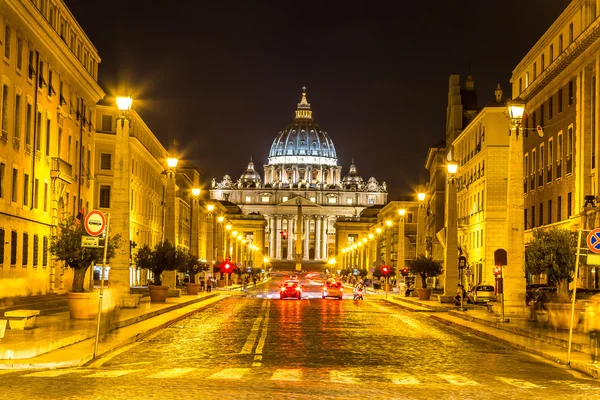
[{"x": 302, "y": 162}]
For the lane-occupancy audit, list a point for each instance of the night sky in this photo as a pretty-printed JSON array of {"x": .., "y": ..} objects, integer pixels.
[{"x": 223, "y": 77}]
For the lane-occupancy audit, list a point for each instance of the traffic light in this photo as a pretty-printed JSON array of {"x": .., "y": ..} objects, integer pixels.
[
  {"x": 385, "y": 270},
  {"x": 227, "y": 267},
  {"x": 284, "y": 234},
  {"x": 405, "y": 272},
  {"x": 497, "y": 271}
]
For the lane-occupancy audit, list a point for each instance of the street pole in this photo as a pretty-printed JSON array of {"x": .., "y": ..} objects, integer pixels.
[
  {"x": 101, "y": 287},
  {"x": 574, "y": 294}
]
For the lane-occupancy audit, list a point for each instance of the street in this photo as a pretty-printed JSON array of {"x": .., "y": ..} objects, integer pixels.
[{"x": 257, "y": 346}]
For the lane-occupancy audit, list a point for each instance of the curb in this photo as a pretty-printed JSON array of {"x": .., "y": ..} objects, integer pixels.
[
  {"x": 594, "y": 372},
  {"x": 78, "y": 361}
]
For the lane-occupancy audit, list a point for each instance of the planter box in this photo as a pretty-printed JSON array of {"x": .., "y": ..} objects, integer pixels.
[{"x": 559, "y": 315}]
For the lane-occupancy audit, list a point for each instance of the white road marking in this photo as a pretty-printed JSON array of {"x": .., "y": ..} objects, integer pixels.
[
  {"x": 256, "y": 364},
  {"x": 54, "y": 373},
  {"x": 171, "y": 373},
  {"x": 342, "y": 377},
  {"x": 520, "y": 383},
  {"x": 403, "y": 379},
  {"x": 111, "y": 373},
  {"x": 458, "y": 380},
  {"x": 258, "y": 357},
  {"x": 287, "y": 375},
  {"x": 229, "y": 373}
]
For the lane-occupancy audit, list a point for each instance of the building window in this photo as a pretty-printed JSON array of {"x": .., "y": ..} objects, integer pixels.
[
  {"x": 570, "y": 93},
  {"x": 541, "y": 213},
  {"x": 550, "y": 107},
  {"x": 105, "y": 196},
  {"x": 25, "y": 249},
  {"x": 569, "y": 204},
  {"x": 331, "y": 200},
  {"x": 570, "y": 33},
  {"x": 35, "y": 250},
  {"x": 18, "y": 116},
  {"x": 525, "y": 219},
  {"x": 36, "y": 189},
  {"x": 28, "y": 124},
  {"x": 38, "y": 134},
  {"x": 15, "y": 182},
  {"x": 284, "y": 199},
  {"x": 265, "y": 199},
  {"x": 543, "y": 64},
  {"x": 248, "y": 199},
  {"x": 45, "y": 197},
  {"x": 2, "y": 179},
  {"x": 349, "y": 201},
  {"x": 7, "y": 33},
  {"x": 107, "y": 123},
  {"x": 560, "y": 43},
  {"x": 520, "y": 85},
  {"x": 526, "y": 79},
  {"x": 2, "y": 246},
  {"x": 48, "y": 130},
  {"x": 371, "y": 200},
  {"x": 105, "y": 161},
  {"x": 19, "y": 54},
  {"x": 570, "y": 145},
  {"x": 313, "y": 199},
  {"x": 551, "y": 53},
  {"x": 25, "y": 189},
  {"x": 542, "y": 115},
  {"x": 559, "y": 209},
  {"x": 533, "y": 216},
  {"x": 45, "y": 252},
  {"x": 560, "y": 100},
  {"x": 534, "y": 71},
  {"x": 13, "y": 248},
  {"x": 549, "y": 211},
  {"x": 5, "y": 110}
]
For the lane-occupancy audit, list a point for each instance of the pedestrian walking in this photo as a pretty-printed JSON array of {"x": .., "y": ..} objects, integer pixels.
[
  {"x": 208, "y": 285},
  {"x": 591, "y": 325},
  {"x": 245, "y": 282},
  {"x": 254, "y": 279}
]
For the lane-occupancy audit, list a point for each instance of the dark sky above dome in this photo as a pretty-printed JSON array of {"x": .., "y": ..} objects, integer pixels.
[{"x": 224, "y": 77}]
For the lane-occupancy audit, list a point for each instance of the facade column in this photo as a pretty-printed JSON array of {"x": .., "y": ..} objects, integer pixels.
[
  {"x": 272, "y": 232},
  {"x": 278, "y": 237},
  {"x": 306, "y": 237},
  {"x": 119, "y": 279},
  {"x": 451, "y": 248},
  {"x": 324, "y": 238},
  {"x": 331, "y": 178},
  {"x": 318, "y": 237},
  {"x": 290, "y": 255}
]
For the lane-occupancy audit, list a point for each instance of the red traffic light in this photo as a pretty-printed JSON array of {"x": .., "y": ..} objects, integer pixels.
[
  {"x": 405, "y": 272},
  {"x": 385, "y": 270},
  {"x": 227, "y": 266},
  {"x": 497, "y": 271},
  {"x": 284, "y": 234}
]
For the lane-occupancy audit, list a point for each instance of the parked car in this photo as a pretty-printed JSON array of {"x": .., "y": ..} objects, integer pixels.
[{"x": 481, "y": 294}]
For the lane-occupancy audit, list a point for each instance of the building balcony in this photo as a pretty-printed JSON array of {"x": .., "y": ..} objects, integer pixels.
[{"x": 62, "y": 170}]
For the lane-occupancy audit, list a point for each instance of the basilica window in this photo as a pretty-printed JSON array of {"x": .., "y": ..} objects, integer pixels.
[
  {"x": 349, "y": 201},
  {"x": 248, "y": 199},
  {"x": 332, "y": 200},
  {"x": 265, "y": 199},
  {"x": 313, "y": 199},
  {"x": 284, "y": 198}
]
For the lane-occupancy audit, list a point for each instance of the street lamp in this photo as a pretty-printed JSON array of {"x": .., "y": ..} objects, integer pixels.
[
  {"x": 124, "y": 103},
  {"x": 401, "y": 237},
  {"x": 513, "y": 294},
  {"x": 195, "y": 220},
  {"x": 420, "y": 250},
  {"x": 172, "y": 162}
]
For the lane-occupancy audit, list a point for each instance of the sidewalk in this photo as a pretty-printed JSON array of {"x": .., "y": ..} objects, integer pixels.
[
  {"x": 57, "y": 341},
  {"x": 532, "y": 337}
]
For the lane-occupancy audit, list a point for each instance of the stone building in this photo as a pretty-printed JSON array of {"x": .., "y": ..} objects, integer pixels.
[
  {"x": 302, "y": 162},
  {"x": 49, "y": 91},
  {"x": 558, "y": 79}
]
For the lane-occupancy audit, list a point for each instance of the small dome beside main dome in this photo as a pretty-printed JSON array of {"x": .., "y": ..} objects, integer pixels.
[
  {"x": 250, "y": 178},
  {"x": 352, "y": 179},
  {"x": 303, "y": 138}
]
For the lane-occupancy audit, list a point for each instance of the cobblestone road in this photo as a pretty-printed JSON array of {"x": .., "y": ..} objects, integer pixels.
[{"x": 260, "y": 347}]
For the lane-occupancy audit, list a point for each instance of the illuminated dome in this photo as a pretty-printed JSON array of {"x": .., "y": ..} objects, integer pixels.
[
  {"x": 250, "y": 178},
  {"x": 303, "y": 141},
  {"x": 353, "y": 179}
]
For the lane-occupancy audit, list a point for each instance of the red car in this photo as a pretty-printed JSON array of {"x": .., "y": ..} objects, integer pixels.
[{"x": 291, "y": 289}]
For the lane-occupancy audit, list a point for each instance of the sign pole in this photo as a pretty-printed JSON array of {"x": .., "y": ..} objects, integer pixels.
[
  {"x": 101, "y": 287},
  {"x": 574, "y": 295}
]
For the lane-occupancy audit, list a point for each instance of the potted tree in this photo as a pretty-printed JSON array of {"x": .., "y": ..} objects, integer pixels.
[
  {"x": 552, "y": 253},
  {"x": 191, "y": 266},
  {"x": 164, "y": 257},
  {"x": 66, "y": 247},
  {"x": 425, "y": 267}
]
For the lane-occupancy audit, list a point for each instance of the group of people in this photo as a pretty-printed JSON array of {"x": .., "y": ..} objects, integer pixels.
[{"x": 247, "y": 279}]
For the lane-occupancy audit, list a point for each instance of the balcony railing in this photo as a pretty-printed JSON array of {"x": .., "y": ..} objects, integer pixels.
[{"x": 62, "y": 170}]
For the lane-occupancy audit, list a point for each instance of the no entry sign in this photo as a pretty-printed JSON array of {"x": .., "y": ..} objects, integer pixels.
[
  {"x": 94, "y": 223},
  {"x": 593, "y": 240}
]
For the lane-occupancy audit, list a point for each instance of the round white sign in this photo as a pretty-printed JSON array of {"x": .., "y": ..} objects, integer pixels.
[{"x": 94, "y": 223}]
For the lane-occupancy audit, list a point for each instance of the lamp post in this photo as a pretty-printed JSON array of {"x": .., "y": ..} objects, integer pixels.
[
  {"x": 514, "y": 282},
  {"x": 219, "y": 234},
  {"x": 388, "y": 241},
  {"x": 420, "y": 224},
  {"x": 451, "y": 249},
  {"x": 120, "y": 265},
  {"x": 171, "y": 216}
]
